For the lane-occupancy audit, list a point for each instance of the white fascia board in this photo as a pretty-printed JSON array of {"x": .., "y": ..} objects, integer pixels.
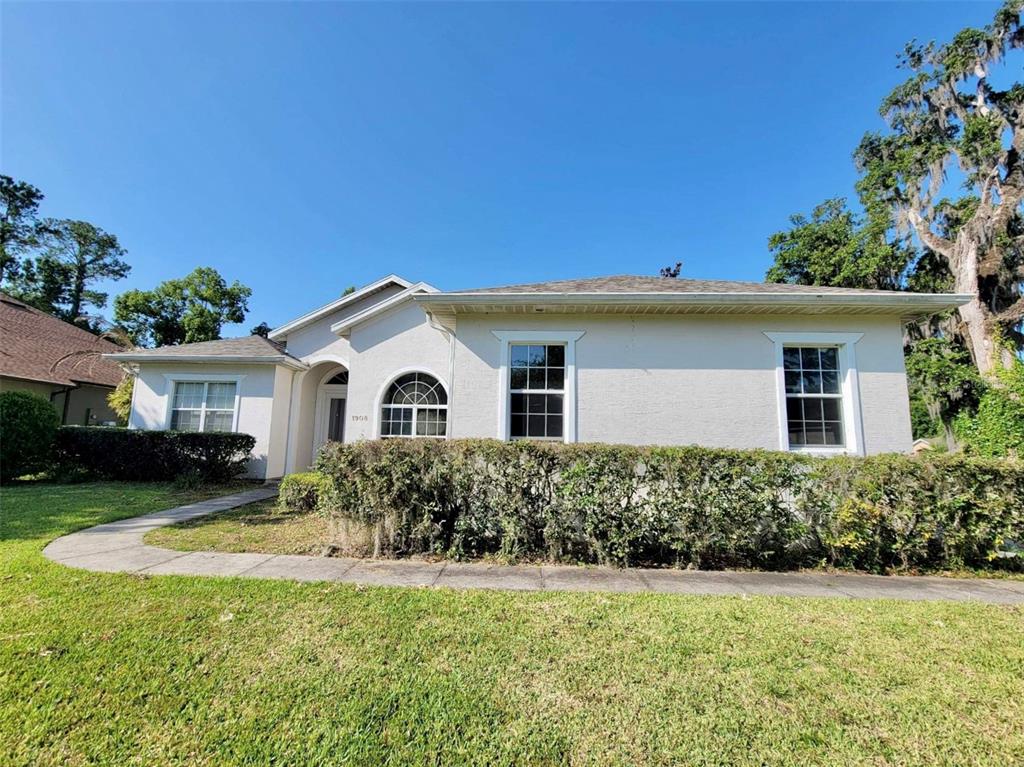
[
  {"x": 345, "y": 325},
  {"x": 340, "y": 303},
  {"x": 220, "y": 359},
  {"x": 901, "y": 303}
]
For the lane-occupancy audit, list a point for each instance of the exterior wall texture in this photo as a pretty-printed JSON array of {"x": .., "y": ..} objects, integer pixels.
[
  {"x": 683, "y": 379},
  {"x": 87, "y": 405},
  {"x": 256, "y": 403}
]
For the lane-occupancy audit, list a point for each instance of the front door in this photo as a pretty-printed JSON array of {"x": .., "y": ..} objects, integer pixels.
[{"x": 336, "y": 420}]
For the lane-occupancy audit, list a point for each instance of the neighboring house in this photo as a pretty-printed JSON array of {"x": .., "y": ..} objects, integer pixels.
[
  {"x": 640, "y": 360},
  {"x": 57, "y": 360}
]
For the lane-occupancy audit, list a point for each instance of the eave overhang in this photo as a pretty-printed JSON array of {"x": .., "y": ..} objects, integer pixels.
[
  {"x": 220, "y": 359},
  {"x": 906, "y": 305}
]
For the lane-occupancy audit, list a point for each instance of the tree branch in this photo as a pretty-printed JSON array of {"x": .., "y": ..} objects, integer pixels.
[{"x": 940, "y": 245}]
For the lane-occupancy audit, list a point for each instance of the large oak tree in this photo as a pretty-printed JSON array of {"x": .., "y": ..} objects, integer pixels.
[{"x": 950, "y": 110}]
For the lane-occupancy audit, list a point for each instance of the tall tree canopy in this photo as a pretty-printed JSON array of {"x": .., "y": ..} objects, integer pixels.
[
  {"x": 837, "y": 247},
  {"x": 949, "y": 110},
  {"x": 186, "y": 310},
  {"x": 19, "y": 225}
]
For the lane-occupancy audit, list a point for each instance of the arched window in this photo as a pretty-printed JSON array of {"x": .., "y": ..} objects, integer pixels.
[{"x": 415, "y": 405}]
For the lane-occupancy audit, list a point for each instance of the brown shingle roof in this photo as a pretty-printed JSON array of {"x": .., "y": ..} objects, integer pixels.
[
  {"x": 629, "y": 283},
  {"x": 35, "y": 346}
]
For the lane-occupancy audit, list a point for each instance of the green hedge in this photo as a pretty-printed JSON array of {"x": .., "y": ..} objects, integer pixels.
[
  {"x": 28, "y": 425},
  {"x": 137, "y": 455},
  {"x": 681, "y": 507}
]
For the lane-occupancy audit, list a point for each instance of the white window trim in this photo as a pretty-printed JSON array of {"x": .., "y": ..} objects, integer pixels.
[
  {"x": 568, "y": 338},
  {"x": 379, "y": 404},
  {"x": 173, "y": 379},
  {"x": 853, "y": 431}
]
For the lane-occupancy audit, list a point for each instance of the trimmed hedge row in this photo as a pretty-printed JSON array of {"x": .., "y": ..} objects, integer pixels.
[
  {"x": 149, "y": 456},
  {"x": 689, "y": 506}
]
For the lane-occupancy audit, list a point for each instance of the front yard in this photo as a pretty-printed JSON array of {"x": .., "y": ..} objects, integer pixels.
[{"x": 156, "y": 670}]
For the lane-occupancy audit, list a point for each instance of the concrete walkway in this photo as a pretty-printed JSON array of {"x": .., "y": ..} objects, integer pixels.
[{"x": 118, "y": 547}]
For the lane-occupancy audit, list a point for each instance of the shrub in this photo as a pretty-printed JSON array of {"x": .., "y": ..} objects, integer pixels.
[
  {"x": 622, "y": 505},
  {"x": 303, "y": 492},
  {"x": 134, "y": 454},
  {"x": 996, "y": 429},
  {"x": 28, "y": 424}
]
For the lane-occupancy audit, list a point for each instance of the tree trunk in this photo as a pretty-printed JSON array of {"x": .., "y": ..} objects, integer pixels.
[{"x": 975, "y": 316}]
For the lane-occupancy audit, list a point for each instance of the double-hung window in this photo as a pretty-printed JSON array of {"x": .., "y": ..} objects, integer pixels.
[
  {"x": 203, "y": 406},
  {"x": 814, "y": 398},
  {"x": 537, "y": 391}
]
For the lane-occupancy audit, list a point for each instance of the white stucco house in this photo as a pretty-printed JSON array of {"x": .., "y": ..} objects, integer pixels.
[{"x": 639, "y": 360}]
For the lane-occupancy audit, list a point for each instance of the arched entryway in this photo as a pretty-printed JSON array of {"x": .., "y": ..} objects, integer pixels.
[{"x": 329, "y": 413}]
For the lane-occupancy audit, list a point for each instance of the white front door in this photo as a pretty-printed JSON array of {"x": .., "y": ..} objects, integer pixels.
[{"x": 330, "y": 415}]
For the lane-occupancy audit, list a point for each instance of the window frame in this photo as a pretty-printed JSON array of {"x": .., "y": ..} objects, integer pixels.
[
  {"x": 378, "y": 427},
  {"x": 206, "y": 380},
  {"x": 537, "y": 392},
  {"x": 565, "y": 338},
  {"x": 849, "y": 387}
]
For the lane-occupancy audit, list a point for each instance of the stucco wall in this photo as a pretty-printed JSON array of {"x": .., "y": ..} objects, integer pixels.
[
  {"x": 87, "y": 406},
  {"x": 399, "y": 340},
  {"x": 153, "y": 389},
  {"x": 683, "y": 379}
]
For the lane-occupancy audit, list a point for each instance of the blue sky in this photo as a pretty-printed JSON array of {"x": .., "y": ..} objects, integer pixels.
[{"x": 306, "y": 147}]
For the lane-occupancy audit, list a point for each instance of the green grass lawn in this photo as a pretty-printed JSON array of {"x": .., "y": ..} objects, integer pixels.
[
  {"x": 123, "y": 669},
  {"x": 260, "y": 527}
]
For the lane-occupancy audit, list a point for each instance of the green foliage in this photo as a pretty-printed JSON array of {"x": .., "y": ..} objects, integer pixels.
[
  {"x": 120, "y": 399},
  {"x": 182, "y": 311},
  {"x": 304, "y": 491},
  {"x": 262, "y": 330},
  {"x": 19, "y": 227},
  {"x": 838, "y": 248},
  {"x": 996, "y": 428},
  {"x": 28, "y": 425},
  {"x": 76, "y": 254},
  {"x": 152, "y": 456},
  {"x": 942, "y": 373},
  {"x": 622, "y": 505}
]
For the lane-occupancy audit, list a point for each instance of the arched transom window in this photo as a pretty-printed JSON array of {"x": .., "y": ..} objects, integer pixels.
[{"x": 415, "y": 405}]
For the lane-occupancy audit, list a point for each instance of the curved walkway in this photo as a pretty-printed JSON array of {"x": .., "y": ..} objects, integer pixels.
[{"x": 118, "y": 547}]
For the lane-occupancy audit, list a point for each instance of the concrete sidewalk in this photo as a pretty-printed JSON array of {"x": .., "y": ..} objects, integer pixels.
[{"x": 118, "y": 547}]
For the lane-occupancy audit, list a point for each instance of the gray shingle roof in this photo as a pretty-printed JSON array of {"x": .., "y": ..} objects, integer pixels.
[
  {"x": 629, "y": 283},
  {"x": 247, "y": 346}
]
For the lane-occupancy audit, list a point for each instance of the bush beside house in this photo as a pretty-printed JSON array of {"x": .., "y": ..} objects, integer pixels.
[
  {"x": 28, "y": 425},
  {"x": 136, "y": 455},
  {"x": 690, "y": 506}
]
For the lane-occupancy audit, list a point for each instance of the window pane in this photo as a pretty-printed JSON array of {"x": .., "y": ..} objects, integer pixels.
[
  {"x": 554, "y": 426},
  {"x": 520, "y": 355},
  {"x": 556, "y": 378},
  {"x": 535, "y": 403},
  {"x": 832, "y": 409},
  {"x": 554, "y": 403},
  {"x": 815, "y": 433},
  {"x": 537, "y": 356},
  {"x": 796, "y": 433},
  {"x": 535, "y": 426},
  {"x": 791, "y": 359},
  {"x": 517, "y": 426},
  {"x": 833, "y": 433},
  {"x": 556, "y": 356},
  {"x": 221, "y": 396},
  {"x": 219, "y": 420},
  {"x": 794, "y": 410},
  {"x": 792, "y": 382},
  {"x": 812, "y": 409},
  {"x": 830, "y": 359},
  {"x": 536, "y": 378},
  {"x": 518, "y": 380},
  {"x": 830, "y": 382},
  {"x": 809, "y": 359},
  {"x": 185, "y": 420},
  {"x": 187, "y": 394},
  {"x": 812, "y": 383},
  {"x": 518, "y": 404}
]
